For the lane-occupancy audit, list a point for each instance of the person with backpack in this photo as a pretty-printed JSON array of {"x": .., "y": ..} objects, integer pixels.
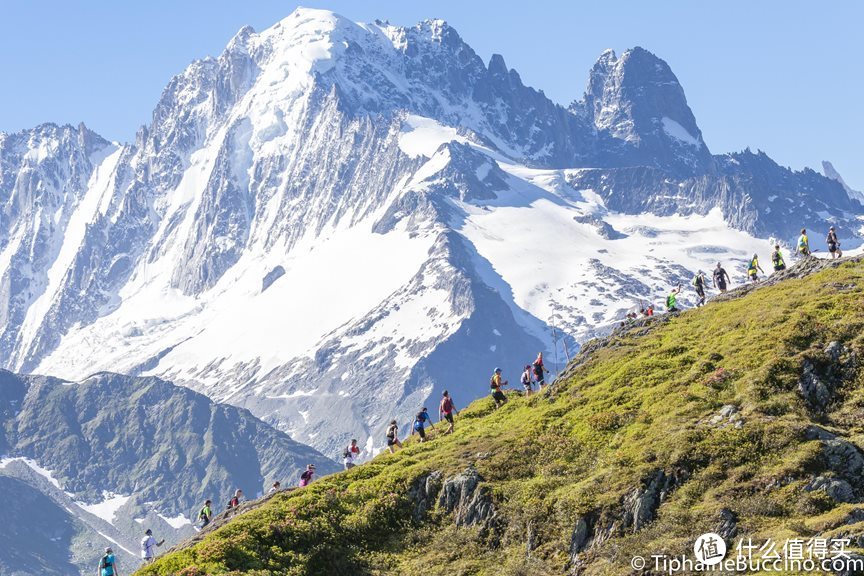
[
  {"x": 108, "y": 564},
  {"x": 753, "y": 267},
  {"x": 672, "y": 299},
  {"x": 699, "y": 281},
  {"x": 393, "y": 437},
  {"x": 234, "y": 502},
  {"x": 833, "y": 244},
  {"x": 419, "y": 423},
  {"x": 540, "y": 371},
  {"x": 276, "y": 487},
  {"x": 527, "y": 375},
  {"x": 720, "y": 278},
  {"x": 803, "y": 243},
  {"x": 777, "y": 259},
  {"x": 496, "y": 384},
  {"x": 306, "y": 476},
  {"x": 446, "y": 410},
  {"x": 148, "y": 546},
  {"x": 351, "y": 452},
  {"x": 205, "y": 514}
]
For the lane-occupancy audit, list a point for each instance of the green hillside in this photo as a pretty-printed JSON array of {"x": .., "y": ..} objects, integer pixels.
[{"x": 742, "y": 418}]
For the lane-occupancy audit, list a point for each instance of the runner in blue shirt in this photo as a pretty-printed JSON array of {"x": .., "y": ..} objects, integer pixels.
[
  {"x": 419, "y": 422},
  {"x": 108, "y": 564}
]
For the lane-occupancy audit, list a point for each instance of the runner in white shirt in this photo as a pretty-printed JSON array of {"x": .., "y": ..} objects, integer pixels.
[
  {"x": 148, "y": 546},
  {"x": 350, "y": 454}
]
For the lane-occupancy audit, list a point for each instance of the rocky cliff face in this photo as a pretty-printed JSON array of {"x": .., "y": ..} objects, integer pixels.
[
  {"x": 99, "y": 460},
  {"x": 325, "y": 222}
]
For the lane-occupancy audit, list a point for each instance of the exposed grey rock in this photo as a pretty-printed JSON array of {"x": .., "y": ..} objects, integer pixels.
[
  {"x": 819, "y": 382},
  {"x": 637, "y": 104},
  {"x": 640, "y": 505},
  {"x": 728, "y": 415},
  {"x": 814, "y": 432},
  {"x": 604, "y": 229},
  {"x": 854, "y": 516},
  {"x": 271, "y": 277},
  {"x": 837, "y": 489},
  {"x": 816, "y": 393},
  {"x": 830, "y": 172},
  {"x": 424, "y": 494},
  {"x": 846, "y": 460},
  {"x": 470, "y": 503},
  {"x": 727, "y": 526},
  {"x": 580, "y": 538},
  {"x": 840, "y": 456}
]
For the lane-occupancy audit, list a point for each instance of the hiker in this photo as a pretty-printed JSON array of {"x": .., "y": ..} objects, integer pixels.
[
  {"x": 446, "y": 410},
  {"x": 833, "y": 244},
  {"x": 496, "y": 384},
  {"x": 148, "y": 546},
  {"x": 752, "y": 268},
  {"x": 275, "y": 487},
  {"x": 650, "y": 310},
  {"x": 699, "y": 282},
  {"x": 306, "y": 476},
  {"x": 108, "y": 564},
  {"x": 672, "y": 299},
  {"x": 205, "y": 514},
  {"x": 777, "y": 259},
  {"x": 234, "y": 502},
  {"x": 419, "y": 423},
  {"x": 393, "y": 437},
  {"x": 803, "y": 243},
  {"x": 526, "y": 379},
  {"x": 720, "y": 278},
  {"x": 540, "y": 371},
  {"x": 350, "y": 454}
]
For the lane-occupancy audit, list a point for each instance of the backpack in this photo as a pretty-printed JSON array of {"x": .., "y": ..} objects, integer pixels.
[
  {"x": 202, "y": 515},
  {"x": 492, "y": 384},
  {"x": 346, "y": 453},
  {"x": 670, "y": 301},
  {"x": 695, "y": 281},
  {"x": 391, "y": 432}
]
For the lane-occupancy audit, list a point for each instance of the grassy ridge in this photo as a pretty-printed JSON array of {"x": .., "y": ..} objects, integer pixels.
[{"x": 639, "y": 405}]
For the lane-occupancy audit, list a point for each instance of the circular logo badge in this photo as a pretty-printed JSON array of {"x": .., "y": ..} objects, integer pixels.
[{"x": 709, "y": 549}]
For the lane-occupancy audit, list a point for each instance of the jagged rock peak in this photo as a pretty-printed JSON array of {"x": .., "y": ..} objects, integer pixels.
[{"x": 638, "y": 101}]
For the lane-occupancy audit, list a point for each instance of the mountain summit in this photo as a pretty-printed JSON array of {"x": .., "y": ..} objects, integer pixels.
[
  {"x": 637, "y": 101},
  {"x": 331, "y": 222}
]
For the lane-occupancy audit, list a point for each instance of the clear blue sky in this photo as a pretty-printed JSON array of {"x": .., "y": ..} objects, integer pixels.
[{"x": 783, "y": 76}]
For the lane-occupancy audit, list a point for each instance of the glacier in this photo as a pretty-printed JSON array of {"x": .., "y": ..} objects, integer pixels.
[{"x": 331, "y": 222}]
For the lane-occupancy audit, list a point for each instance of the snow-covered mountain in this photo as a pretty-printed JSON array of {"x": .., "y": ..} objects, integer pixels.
[
  {"x": 830, "y": 172},
  {"x": 331, "y": 222},
  {"x": 94, "y": 463}
]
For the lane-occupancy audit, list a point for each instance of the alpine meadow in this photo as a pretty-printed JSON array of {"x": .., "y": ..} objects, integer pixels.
[{"x": 357, "y": 301}]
